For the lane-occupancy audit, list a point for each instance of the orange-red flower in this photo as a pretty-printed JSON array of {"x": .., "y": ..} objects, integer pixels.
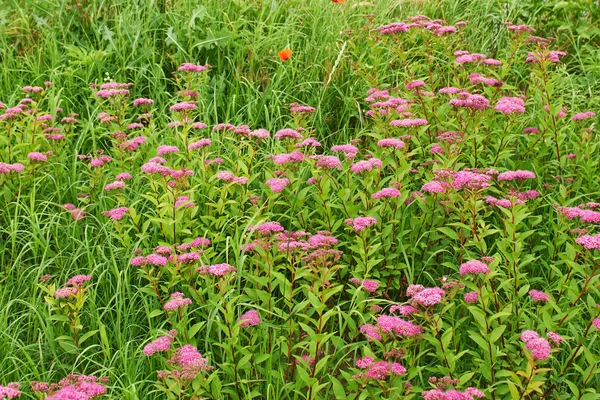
[
  {"x": 337, "y": 1},
  {"x": 285, "y": 54}
]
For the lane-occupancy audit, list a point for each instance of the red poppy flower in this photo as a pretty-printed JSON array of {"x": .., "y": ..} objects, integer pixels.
[{"x": 285, "y": 54}]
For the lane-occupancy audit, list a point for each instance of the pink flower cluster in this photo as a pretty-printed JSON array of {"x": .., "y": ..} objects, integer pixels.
[
  {"x": 583, "y": 115},
  {"x": 367, "y": 285},
  {"x": 539, "y": 347},
  {"x": 510, "y": 105},
  {"x": 589, "y": 241},
  {"x": 360, "y": 223},
  {"x": 249, "y": 318},
  {"x": 425, "y": 296},
  {"x": 73, "y": 287},
  {"x": 8, "y": 168},
  {"x": 161, "y": 344},
  {"x": 216, "y": 269},
  {"x": 474, "y": 267},
  {"x": 10, "y": 391},
  {"x": 386, "y": 192},
  {"x": 378, "y": 370},
  {"x": 177, "y": 301},
  {"x": 396, "y": 143},
  {"x": 439, "y": 394},
  {"x": 228, "y": 176},
  {"x": 536, "y": 295},
  {"x": 366, "y": 165},
  {"x": 518, "y": 175},
  {"x": 277, "y": 184},
  {"x": 116, "y": 214}
]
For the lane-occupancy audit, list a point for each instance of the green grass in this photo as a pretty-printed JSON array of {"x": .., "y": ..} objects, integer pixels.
[{"x": 77, "y": 42}]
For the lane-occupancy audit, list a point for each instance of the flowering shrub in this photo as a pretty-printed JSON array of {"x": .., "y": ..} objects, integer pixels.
[{"x": 267, "y": 263}]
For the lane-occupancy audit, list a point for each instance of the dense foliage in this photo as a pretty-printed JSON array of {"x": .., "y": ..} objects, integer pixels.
[{"x": 324, "y": 200}]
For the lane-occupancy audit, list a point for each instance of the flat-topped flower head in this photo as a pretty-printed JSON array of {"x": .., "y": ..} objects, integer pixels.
[
  {"x": 288, "y": 133},
  {"x": 360, "y": 223},
  {"x": 519, "y": 175},
  {"x": 510, "y": 105},
  {"x": 396, "y": 143},
  {"x": 429, "y": 296},
  {"x": 528, "y": 335},
  {"x": 540, "y": 348},
  {"x": 474, "y": 267},
  {"x": 216, "y": 269},
  {"x": 79, "y": 280},
  {"x": 10, "y": 391},
  {"x": 471, "y": 297},
  {"x": 277, "y": 184},
  {"x": 190, "y": 67},
  {"x": 161, "y": 344},
  {"x": 385, "y": 193},
  {"x": 536, "y": 295},
  {"x": 177, "y": 301},
  {"x": 249, "y": 318}
]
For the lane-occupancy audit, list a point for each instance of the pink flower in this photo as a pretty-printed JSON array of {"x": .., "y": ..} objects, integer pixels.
[
  {"x": 382, "y": 369},
  {"x": 267, "y": 228},
  {"x": 471, "y": 297},
  {"x": 583, "y": 115},
  {"x": 10, "y": 391},
  {"x": 540, "y": 348},
  {"x": 407, "y": 122},
  {"x": 297, "y": 108},
  {"x": 177, "y": 301},
  {"x": 364, "y": 362},
  {"x": 116, "y": 214},
  {"x": 526, "y": 336},
  {"x": 309, "y": 142},
  {"x": 249, "y": 318},
  {"x": 370, "y": 286},
  {"x": 277, "y": 184},
  {"x": 183, "y": 106},
  {"x": 472, "y": 101},
  {"x": 161, "y": 344},
  {"x": 142, "y": 101},
  {"x": 216, "y": 270},
  {"x": 167, "y": 149},
  {"x": 347, "y": 149},
  {"x": 360, "y": 223},
  {"x": 199, "y": 144},
  {"x": 35, "y": 156},
  {"x": 288, "y": 133},
  {"x": 396, "y": 143},
  {"x": 429, "y": 296},
  {"x": 372, "y": 332},
  {"x": 414, "y": 84},
  {"x": 510, "y": 105},
  {"x": 386, "y": 192},
  {"x": 366, "y": 165},
  {"x": 554, "y": 338},
  {"x": 471, "y": 180},
  {"x": 65, "y": 292},
  {"x": 78, "y": 280},
  {"x": 474, "y": 267},
  {"x": 189, "y": 67},
  {"x": 596, "y": 323},
  {"x": 123, "y": 176},
  {"x": 519, "y": 175},
  {"x": 115, "y": 185},
  {"x": 183, "y": 201},
  {"x": 230, "y": 177},
  {"x": 434, "y": 187},
  {"x": 293, "y": 157},
  {"x": 156, "y": 259},
  {"x": 536, "y": 295}
]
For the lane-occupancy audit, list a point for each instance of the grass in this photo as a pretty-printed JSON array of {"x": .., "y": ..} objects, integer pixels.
[{"x": 76, "y": 42}]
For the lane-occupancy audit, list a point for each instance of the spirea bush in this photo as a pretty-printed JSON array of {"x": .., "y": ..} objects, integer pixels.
[{"x": 448, "y": 251}]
